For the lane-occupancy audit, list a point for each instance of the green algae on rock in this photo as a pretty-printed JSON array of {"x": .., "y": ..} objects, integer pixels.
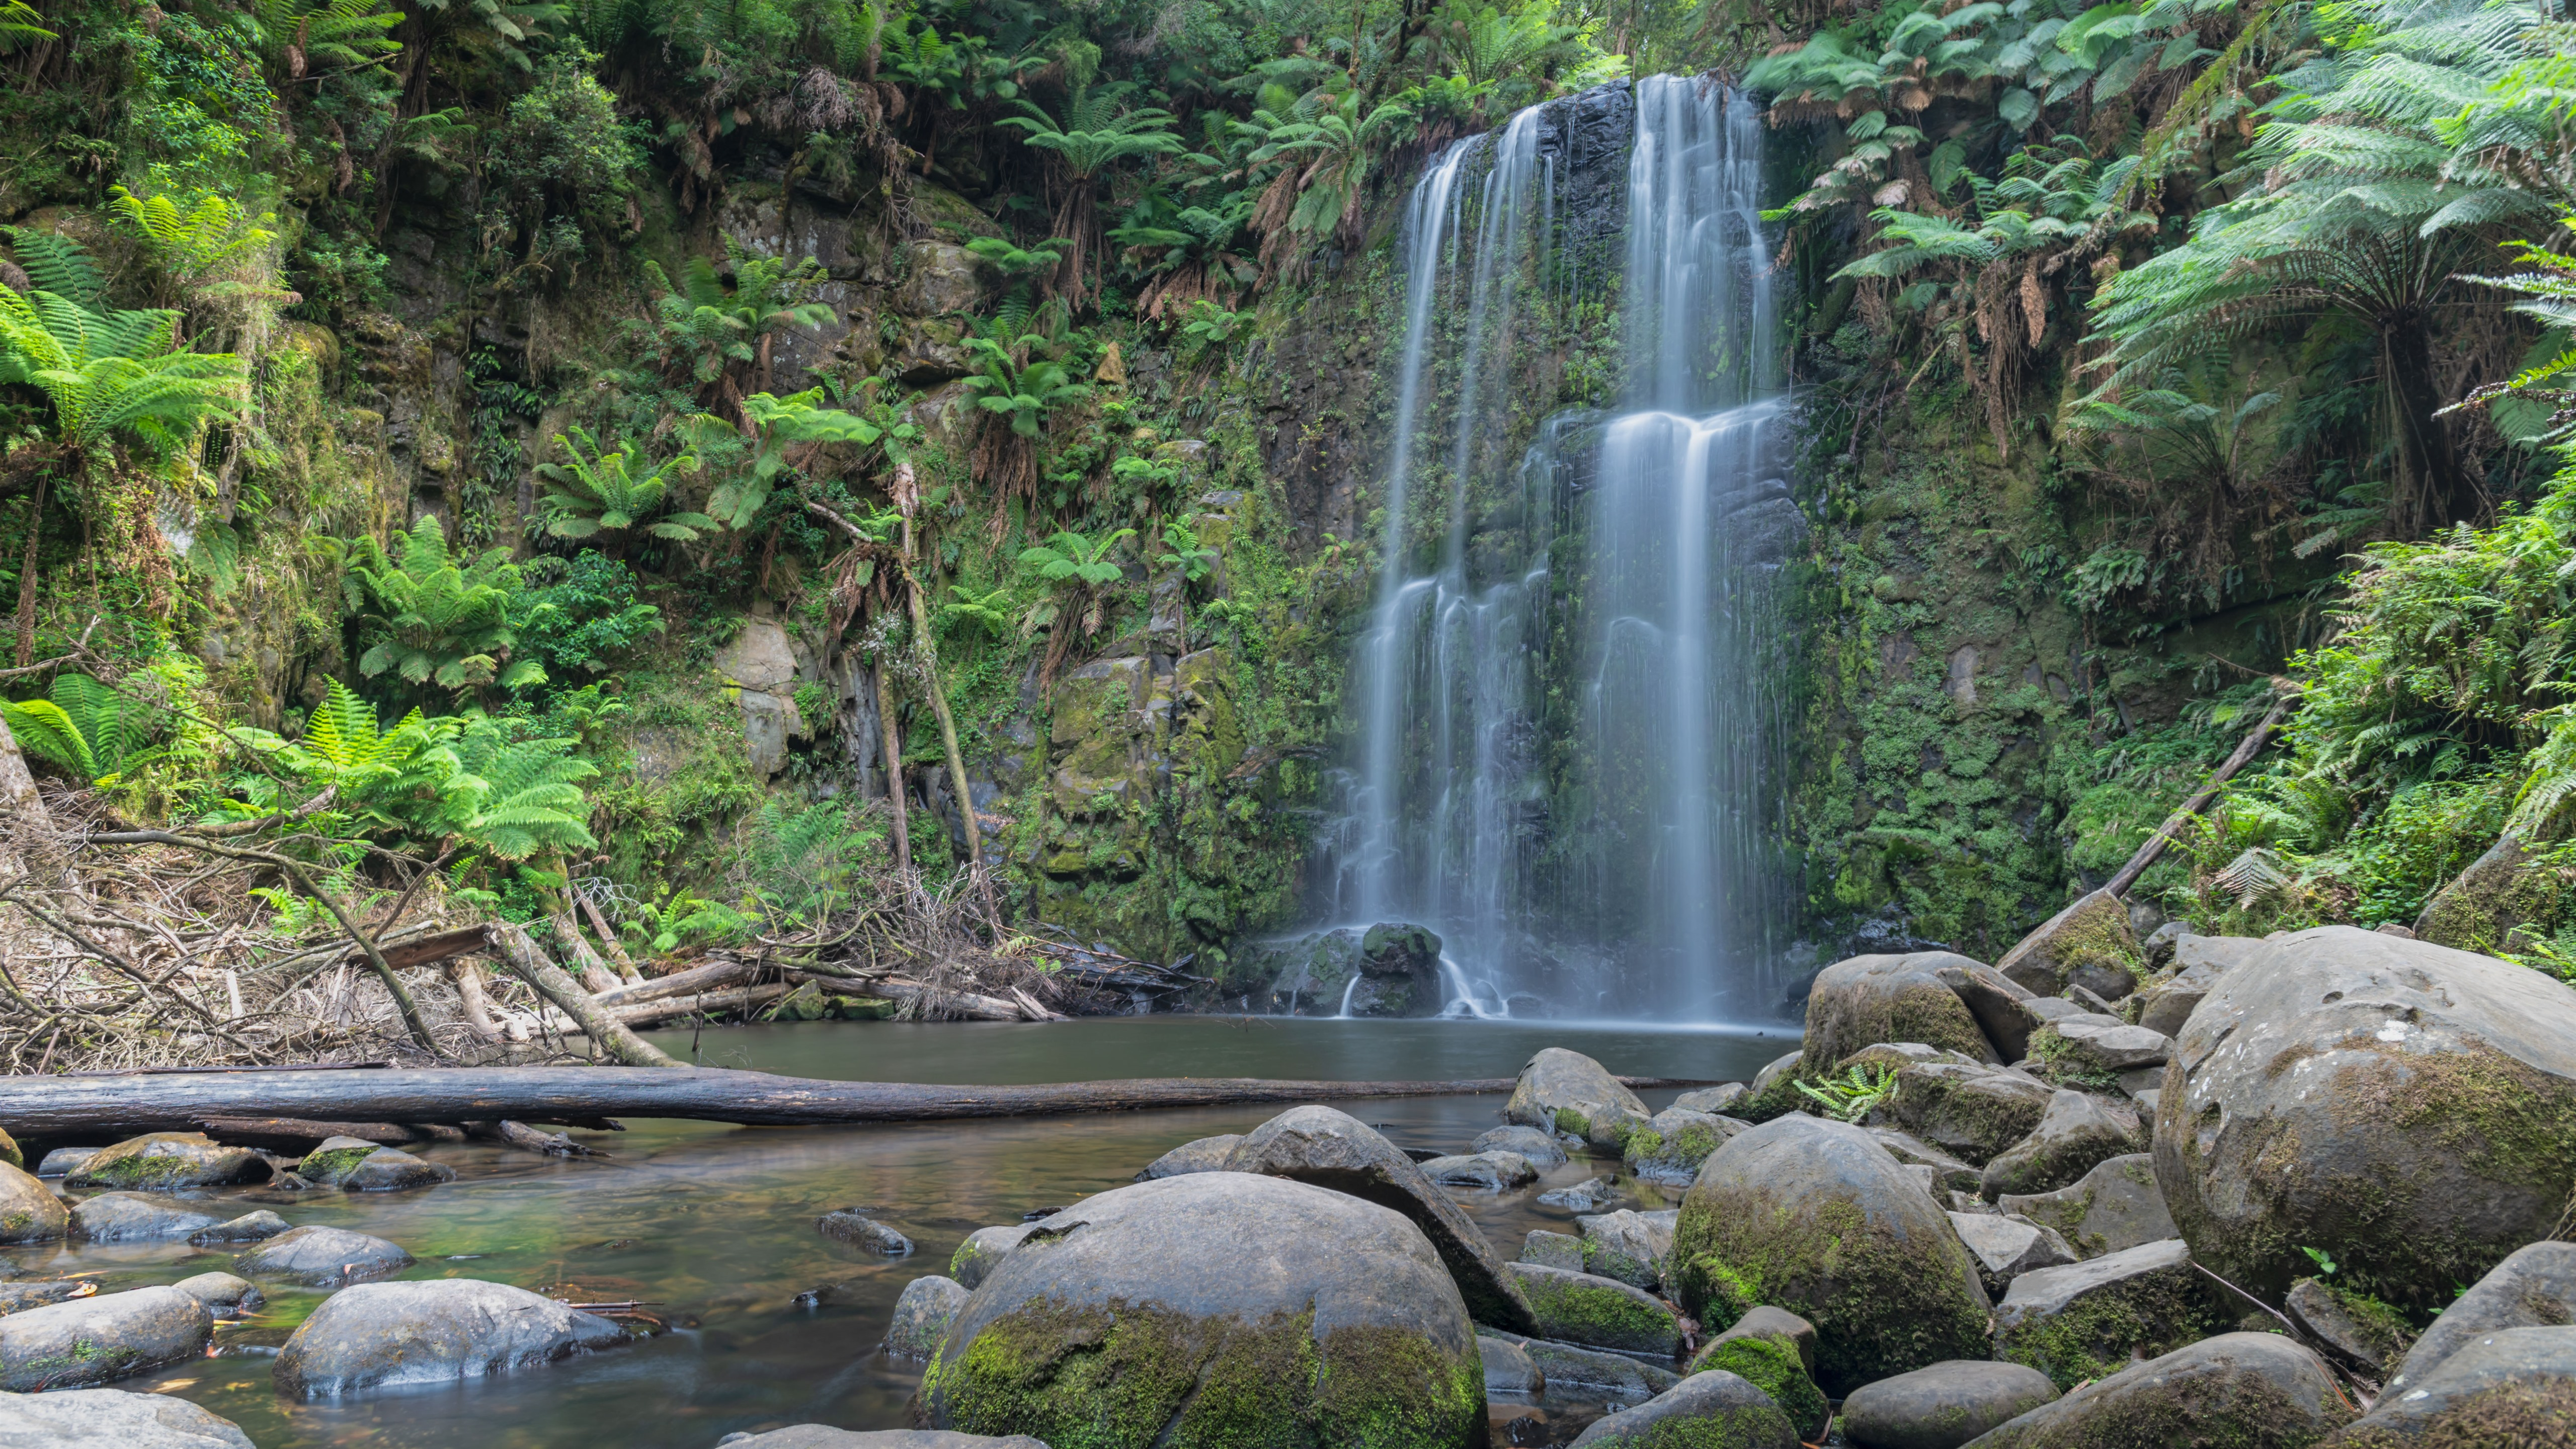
[
  {"x": 2235, "y": 1391},
  {"x": 160, "y": 1161},
  {"x": 1715, "y": 1410},
  {"x": 1165, "y": 1314},
  {"x": 1871, "y": 999},
  {"x": 1771, "y": 1363},
  {"x": 2087, "y": 1320}
]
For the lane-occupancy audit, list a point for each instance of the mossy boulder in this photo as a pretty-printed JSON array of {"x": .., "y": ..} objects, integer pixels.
[
  {"x": 2078, "y": 1132},
  {"x": 2534, "y": 1288},
  {"x": 1594, "y": 1311},
  {"x": 2091, "y": 1319},
  {"x": 2115, "y": 1206},
  {"x": 2408, "y": 1108},
  {"x": 162, "y": 1161},
  {"x": 1212, "y": 1311},
  {"x": 985, "y": 1248},
  {"x": 923, "y": 1315},
  {"x": 332, "y": 1159},
  {"x": 384, "y": 1335},
  {"x": 1673, "y": 1145},
  {"x": 1975, "y": 1112},
  {"x": 29, "y": 1211},
  {"x": 1714, "y": 1410},
  {"x": 2496, "y": 899},
  {"x": 1943, "y": 1406},
  {"x": 1568, "y": 1092},
  {"x": 100, "y": 1340},
  {"x": 10, "y": 1156},
  {"x": 1771, "y": 1362},
  {"x": 376, "y": 1169},
  {"x": 2090, "y": 943},
  {"x": 1815, "y": 1217},
  {"x": 1335, "y": 1150},
  {"x": 1870, "y": 999},
  {"x": 1628, "y": 1245},
  {"x": 2235, "y": 1391},
  {"x": 2509, "y": 1388}
]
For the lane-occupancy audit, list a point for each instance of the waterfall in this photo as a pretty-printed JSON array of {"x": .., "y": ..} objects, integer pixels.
[{"x": 1562, "y": 758}]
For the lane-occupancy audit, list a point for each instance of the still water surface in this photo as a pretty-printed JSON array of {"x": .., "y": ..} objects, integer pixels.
[{"x": 715, "y": 1223}]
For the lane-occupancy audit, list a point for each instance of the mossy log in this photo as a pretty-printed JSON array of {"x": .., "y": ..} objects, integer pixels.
[{"x": 62, "y": 1109}]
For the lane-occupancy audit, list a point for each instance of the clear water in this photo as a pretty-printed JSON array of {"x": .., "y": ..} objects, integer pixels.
[{"x": 716, "y": 1223}]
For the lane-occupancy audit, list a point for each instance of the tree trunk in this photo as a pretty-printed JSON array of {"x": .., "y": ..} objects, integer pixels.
[
  {"x": 106, "y": 1108},
  {"x": 894, "y": 767},
  {"x": 551, "y": 983},
  {"x": 939, "y": 694},
  {"x": 27, "y": 575},
  {"x": 22, "y": 809},
  {"x": 608, "y": 937},
  {"x": 468, "y": 979},
  {"x": 2444, "y": 493}
]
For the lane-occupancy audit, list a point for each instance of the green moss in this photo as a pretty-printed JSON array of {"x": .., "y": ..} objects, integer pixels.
[
  {"x": 333, "y": 1165},
  {"x": 1931, "y": 1014},
  {"x": 2065, "y": 1064},
  {"x": 2506, "y": 1417},
  {"x": 1568, "y": 1308},
  {"x": 1880, "y": 1306},
  {"x": 1130, "y": 1377},
  {"x": 1770, "y": 1363},
  {"x": 9, "y": 1152},
  {"x": 2104, "y": 1331},
  {"x": 1748, "y": 1428}
]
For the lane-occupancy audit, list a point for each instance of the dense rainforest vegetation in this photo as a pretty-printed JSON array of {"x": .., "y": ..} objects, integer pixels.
[{"x": 576, "y": 447}]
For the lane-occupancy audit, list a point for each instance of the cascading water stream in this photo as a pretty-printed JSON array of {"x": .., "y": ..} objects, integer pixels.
[{"x": 1585, "y": 832}]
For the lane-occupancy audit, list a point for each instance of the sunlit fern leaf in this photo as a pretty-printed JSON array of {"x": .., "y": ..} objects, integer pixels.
[
  {"x": 57, "y": 264},
  {"x": 2252, "y": 877}
]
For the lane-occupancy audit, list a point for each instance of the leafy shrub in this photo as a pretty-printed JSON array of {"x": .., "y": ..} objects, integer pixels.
[{"x": 581, "y": 622}]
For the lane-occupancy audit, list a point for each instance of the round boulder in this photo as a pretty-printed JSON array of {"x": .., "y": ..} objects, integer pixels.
[
  {"x": 321, "y": 1257},
  {"x": 2240, "y": 1390},
  {"x": 1539, "y": 1147},
  {"x": 111, "y": 1419},
  {"x": 100, "y": 1340},
  {"x": 380, "y": 1334},
  {"x": 1568, "y": 1092},
  {"x": 1944, "y": 1406},
  {"x": 1207, "y": 1154},
  {"x": 160, "y": 1161},
  {"x": 224, "y": 1295},
  {"x": 1815, "y": 1217},
  {"x": 2408, "y": 1108},
  {"x": 1216, "y": 1308},
  {"x": 1713, "y": 1408},
  {"x": 29, "y": 1211},
  {"x": 137, "y": 1217},
  {"x": 923, "y": 1314},
  {"x": 1870, "y": 999}
]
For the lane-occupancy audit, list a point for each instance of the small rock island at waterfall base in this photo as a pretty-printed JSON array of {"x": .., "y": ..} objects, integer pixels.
[{"x": 1225, "y": 725}]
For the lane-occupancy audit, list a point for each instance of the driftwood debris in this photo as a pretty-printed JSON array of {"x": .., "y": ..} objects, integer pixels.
[{"x": 104, "y": 1108}]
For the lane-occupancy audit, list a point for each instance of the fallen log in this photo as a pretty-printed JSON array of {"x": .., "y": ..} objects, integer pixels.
[
  {"x": 94, "y": 1109},
  {"x": 296, "y": 1136},
  {"x": 737, "y": 999},
  {"x": 551, "y": 983},
  {"x": 699, "y": 978},
  {"x": 2246, "y": 750}
]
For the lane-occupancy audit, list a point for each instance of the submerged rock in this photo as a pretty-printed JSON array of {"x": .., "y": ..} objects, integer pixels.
[
  {"x": 248, "y": 1228},
  {"x": 1568, "y": 1092},
  {"x": 100, "y": 1340},
  {"x": 319, "y": 1257},
  {"x": 1814, "y": 1217},
  {"x": 386, "y": 1334},
  {"x": 2115, "y": 1206},
  {"x": 1943, "y": 1406},
  {"x": 1132, "y": 1320},
  {"x": 134, "y": 1217},
  {"x": 29, "y": 1211},
  {"x": 160, "y": 1161},
  {"x": 1335, "y": 1150},
  {"x": 37, "y": 1292},
  {"x": 112, "y": 1419},
  {"x": 923, "y": 1314},
  {"x": 2089, "y": 1320},
  {"x": 1591, "y": 1195},
  {"x": 849, "y": 1225},
  {"x": 1596, "y": 1312},
  {"x": 1539, "y": 1147},
  {"x": 2407, "y": 1108},
  {"x": 984, "y": 1249},
  {"x": 2078, "y": 1132},
  {"x": 2239, "y": 1390},
  {"x": 1715, "y": 1408},
  {"x": 1871, "y": 999},
  {"x": 1207, "y": 1154}
]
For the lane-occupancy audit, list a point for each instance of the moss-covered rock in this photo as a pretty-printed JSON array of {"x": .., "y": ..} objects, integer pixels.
[
  {"x": 2407, "y": 1108},
  {"x": 100, "y": 1340},
  {"x": 2090, "y": 943},
  {"x": 1871, "y": 999},
  {"x": 2078, "y": 1132},
  {"x": 1975, "y": 1112},
  {"x": 985, "y": 1248},
  {"x": 1568, "y": 1092},
  {"x": 1595, "y": 1311},
  {"x": 1216, "y": 1311},
  {"x": 2356, "y": 1326},
  {"x": 2506, "y": 1389},
  {"x": 2089, "y": 1320},
  {"x": 2500, "y": 894},
  {"x": 1672, "y": 1146},
  {"x": 1815, "y": 1217},
  {"x": 1714, "y": 1410},
  {"x": 10, "y": 1156},
  {"x": 1771, "y": 1363},
  {"x": 2534, "y": 1288},
  {"x": 29, "y": 1211},
  {"x": 2235, "y": 1391},
  {"x": 2117, "y": 1205},
  {"x": 1944, "y": 1406},
  {"x": 1628, "y": 1245},
  {"x": 161, "y": 1161}
]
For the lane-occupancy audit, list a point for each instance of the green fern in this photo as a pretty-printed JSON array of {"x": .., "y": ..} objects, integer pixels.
[
  {"x": 433, "y": 620},
  {"x": 599, "y": 494},
  {"x": 87, "y": 730}
]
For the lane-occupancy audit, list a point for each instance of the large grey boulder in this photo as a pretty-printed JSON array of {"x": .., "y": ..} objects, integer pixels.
[
  {"x": 1335, "y": 1150},
  {"x": 111, "y": 1419},
  {"x": 100, "y": 1340},
  {"x": 384, "y": 1334},
  {"x": 1674, "y": 1144},
  {"x": 1568, "y": 1092},
  {"x": 136, "y": 1217},
  {"x": 1813, "y": 1216},
  {"x": 2235, "y": 1391},
  {"x": 320, "y": 1257},
  {"x": 2077, "y": 1133},
  {"x": 822, "y": 1436},
  {"x": 1870, "y": 999},
  {"x": 2407, "y": 1108},
  {"x": 923, "y": 1315},
  {"x": 2117, "y": 1205},
  {"x": 2089, "y": 944},
  {"x": 1715, "y": 1408},
  {"x": 985, "y": 1248},
  {"x": 2089, "y": 1320},
  {"x": 1207, "y": 1154},
  {"x": 1628, "y": 1245},
  {"x": 2533, "y": 1288},
  {"x": 1716, "y": 1101},
  {"x": 1974, "y": 1112},
  {"x": 2007, "y": 1247},
  {"x": 29, "y": 1211},
  {"x": 1196, "y": 1309},
  {"x": 2501, "y": 1390},
  {"x": 161, "y": 1161},
  {"x": 1539, "y": 1147},
  {"x": 1943, "y": 1406},
  {"x": 1596, "y": 1312}
]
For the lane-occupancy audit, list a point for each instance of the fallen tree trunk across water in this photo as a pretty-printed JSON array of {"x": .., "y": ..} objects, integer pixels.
[{"x": 103, "y": 1109}]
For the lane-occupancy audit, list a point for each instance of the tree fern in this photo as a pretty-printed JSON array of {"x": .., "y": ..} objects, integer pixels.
[
  {"x": 599, "y": 493},
  {"x": 437, "y": 622},
  {"x": 514, "y": 797},
  {"x": 88, "y": 730}
]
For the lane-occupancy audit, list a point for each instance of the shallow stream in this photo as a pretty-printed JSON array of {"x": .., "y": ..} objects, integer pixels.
[{"x": 714, "y": 1224}]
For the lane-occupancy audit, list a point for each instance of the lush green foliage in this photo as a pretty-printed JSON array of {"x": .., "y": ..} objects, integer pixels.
[{"x": 439, "y": 623}]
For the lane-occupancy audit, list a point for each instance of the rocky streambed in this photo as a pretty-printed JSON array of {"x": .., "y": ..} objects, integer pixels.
[{"x": 2185, "y": 1191}]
